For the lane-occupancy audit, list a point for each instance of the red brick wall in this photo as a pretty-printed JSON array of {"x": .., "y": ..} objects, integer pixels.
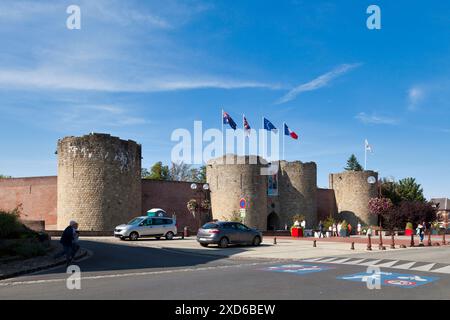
[
  {"x": 172, "y": 197},
  {"x": 326, "y": 203},
  {"x": 36, "y": 195}
]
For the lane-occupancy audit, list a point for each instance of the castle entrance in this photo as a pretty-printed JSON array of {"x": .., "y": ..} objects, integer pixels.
[{"x": 273, "y": 221}]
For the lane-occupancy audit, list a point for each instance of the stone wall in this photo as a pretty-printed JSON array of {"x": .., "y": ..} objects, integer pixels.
[
  {"x": 326, "y": 204},
  {"x": 99, "y": 181},
  {"x": 236, "y": 178},
  {"x": 36, "y": 196},
  {"x": 353, "y": 192},
  {"x": 298, "y": 191},
  {"x": 173, "y": 196}
]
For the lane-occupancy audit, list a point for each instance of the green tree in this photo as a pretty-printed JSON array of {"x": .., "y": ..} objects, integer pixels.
[
  {"x": 353, "y": 164},
  {"x": 4, "y": 177},
  {"x": 180, "y": 172},
  {"x": 409, "y": 190},
  {"x": 157, "y": 172}
]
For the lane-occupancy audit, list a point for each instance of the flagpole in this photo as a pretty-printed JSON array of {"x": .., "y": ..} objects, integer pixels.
[
  {"x": 284, "y": 134},
  {"x": 365, "y": 156},
  {"x": 243, "y": 135},
  {"x": 223, "y": 144}
]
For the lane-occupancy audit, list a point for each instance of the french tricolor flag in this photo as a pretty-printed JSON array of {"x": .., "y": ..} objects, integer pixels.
[{"x": 289, "y": 132}]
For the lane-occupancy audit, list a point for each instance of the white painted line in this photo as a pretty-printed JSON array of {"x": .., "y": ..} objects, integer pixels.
[
  {"x": 135, "y": 274},
  {"x": 405, "y": 266},
  {"x": 327, "y": 260},
  {"x": 442, "y": 270},
  {"x": 426, "y": 267},
  {"x": 312, "y": 260},
  {"x": 355, "y": 262},
  {"x": 341, "y": 260},
  {"x": 387, "y": 264},
  {"x": 369, "y": 263}
]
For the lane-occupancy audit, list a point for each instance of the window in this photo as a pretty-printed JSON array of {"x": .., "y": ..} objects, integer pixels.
[
  {"x": 148, "y": 222},
  {"x": 210, "y": 226},
  {"x": 242, "y": 227}
]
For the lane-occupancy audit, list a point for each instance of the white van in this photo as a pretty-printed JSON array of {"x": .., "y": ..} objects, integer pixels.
[{"x": 146, "y": 226}]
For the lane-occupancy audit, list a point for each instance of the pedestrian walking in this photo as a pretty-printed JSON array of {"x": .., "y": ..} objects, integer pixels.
[
  {"x": 349, "y": 229},
  {"x": 334, "y": 230},
  {"x": 69, "y": 242},
  {"x": 339, "y": 227}
]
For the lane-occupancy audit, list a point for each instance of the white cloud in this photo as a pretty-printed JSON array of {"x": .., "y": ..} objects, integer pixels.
[
  {"x": 375, "y": 119},
  {"x": 318, "y": 82},
  {"x": 50, "y": 79},
  {"x": 415, "y": 97}
]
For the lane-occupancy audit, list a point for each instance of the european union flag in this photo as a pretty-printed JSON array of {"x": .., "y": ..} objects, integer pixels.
[
  {"x": 269, "y": 125},
  {"x": 228, "y": 120}
]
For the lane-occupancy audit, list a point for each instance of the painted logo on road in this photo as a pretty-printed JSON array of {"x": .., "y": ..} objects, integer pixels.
[
  {"x": 391, "y": 279},
  {"x": 298, "y": 268}
]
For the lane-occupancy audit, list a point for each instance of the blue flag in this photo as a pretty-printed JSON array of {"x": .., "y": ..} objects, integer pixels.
[
  {"x": 228, "y": 120},
  {"x": 269, "y": 125}
]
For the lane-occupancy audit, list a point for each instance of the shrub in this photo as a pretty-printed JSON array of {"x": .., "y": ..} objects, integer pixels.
[
  {"x": 10, "y": 227},
  {"x": 328, "y": 223},
  {"x": 30, "y": 249},
  {"x": 409, "y": 226}
]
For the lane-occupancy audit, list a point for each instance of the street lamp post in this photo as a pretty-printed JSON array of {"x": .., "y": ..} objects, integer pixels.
[{"x": 201, "y": 191}]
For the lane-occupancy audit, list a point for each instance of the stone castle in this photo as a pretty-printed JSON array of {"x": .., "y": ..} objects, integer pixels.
[{"x": 99, "y": 184}]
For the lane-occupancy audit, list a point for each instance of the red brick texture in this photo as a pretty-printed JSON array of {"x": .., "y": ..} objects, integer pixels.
[{"x": 36, "y": 195}]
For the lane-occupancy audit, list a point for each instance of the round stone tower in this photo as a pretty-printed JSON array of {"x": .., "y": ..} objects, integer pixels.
[
  {"x": 298, "y": 191},
  {"x": 353, "y": 192},
  {"x": 234, "y": 177},
  {"x": 99, "y": 181}
]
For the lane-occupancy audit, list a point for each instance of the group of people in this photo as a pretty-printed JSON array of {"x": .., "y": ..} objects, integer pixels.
[
  {"x": 69, "y": 242},
  {"x": 335, "y": 229}
]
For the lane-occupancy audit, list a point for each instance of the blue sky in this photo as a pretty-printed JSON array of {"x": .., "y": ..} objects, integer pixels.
[{"x": 140, "y": 69}]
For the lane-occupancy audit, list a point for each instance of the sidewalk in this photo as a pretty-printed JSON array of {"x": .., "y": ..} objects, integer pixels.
[{"x": 286, "y": 248}]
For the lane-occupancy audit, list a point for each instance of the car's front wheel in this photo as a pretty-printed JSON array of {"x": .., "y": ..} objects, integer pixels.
[
  {"x": 169, "y": 235},
  {"x": 134, "y": 236},
  {"x": 256, "y": 241},
  {"x": 223, "y": 243}
]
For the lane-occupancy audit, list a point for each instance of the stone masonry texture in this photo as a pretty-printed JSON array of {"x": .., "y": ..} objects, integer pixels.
[
  {"x": 353, "y": 192},
  {"x": 99, "y": 181}
]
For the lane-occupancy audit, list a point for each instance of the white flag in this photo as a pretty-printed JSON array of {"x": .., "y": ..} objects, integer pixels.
[{"x": 368, "y": 146}]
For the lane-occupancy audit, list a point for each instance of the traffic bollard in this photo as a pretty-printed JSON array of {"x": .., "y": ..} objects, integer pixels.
[
  {"x": 314, "y": 243},
  {"x": 369, "y": 242},
  {"x": 353, "y": 246},
  {"x": 275, "y": 240}
]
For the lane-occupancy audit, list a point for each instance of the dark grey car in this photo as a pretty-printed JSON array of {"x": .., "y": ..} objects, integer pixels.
[{"x": 225, "y": 233}]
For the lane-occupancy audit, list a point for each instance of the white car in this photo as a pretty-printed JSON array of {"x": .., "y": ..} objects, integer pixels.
[{"x": 145, "y": 226}]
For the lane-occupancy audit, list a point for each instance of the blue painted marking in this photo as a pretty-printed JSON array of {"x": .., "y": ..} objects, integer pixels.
[
  {"x": 298, "y": 268},
  {"x": 391, "y": 279}
]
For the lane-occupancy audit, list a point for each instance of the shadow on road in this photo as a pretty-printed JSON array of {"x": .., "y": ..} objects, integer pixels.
[{"x": 114, "y": 257}]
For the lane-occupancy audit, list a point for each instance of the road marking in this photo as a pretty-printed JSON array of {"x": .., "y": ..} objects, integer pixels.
[
  {"x": 134, "y": 274},
  {"x": 387, "y": 264},
  {"x": 313, "y": 259},
  {"x": 355, "y": 261},
  {"x": 426, "y": 267},
  {"x": 327, "y": 260},
  {"x": 341, "y": 260},
  {"x": 405, "y": 266},
  {"x": 442, "y": 270},
  {"x": 369, "y": 263}
]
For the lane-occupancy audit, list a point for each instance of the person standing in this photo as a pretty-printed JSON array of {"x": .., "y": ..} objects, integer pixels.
[
  {"x": 303, "y": 224},
  {"x": 349, "y": 229},
  {"x": 320, "y": 229},
  {"x": 334, "y": 229},
  {"x": 358, "y": 228},
  {"x": 421, "y": 231},
  {"x": 339, "y": 227}
]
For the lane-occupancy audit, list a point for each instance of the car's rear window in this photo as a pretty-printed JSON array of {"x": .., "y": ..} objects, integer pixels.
[{"x": 210, "y": 226}]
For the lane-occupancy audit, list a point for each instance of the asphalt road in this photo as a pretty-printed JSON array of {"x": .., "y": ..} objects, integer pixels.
[{"x": 118, "y": 271}]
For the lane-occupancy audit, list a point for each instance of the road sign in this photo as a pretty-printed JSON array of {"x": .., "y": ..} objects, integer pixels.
[
  {"x": 298, "y": 268},
  {"x": 243, "y": 212},
  {"x": 243, "y": 203},
  {"x": 391, "y": 279}
]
